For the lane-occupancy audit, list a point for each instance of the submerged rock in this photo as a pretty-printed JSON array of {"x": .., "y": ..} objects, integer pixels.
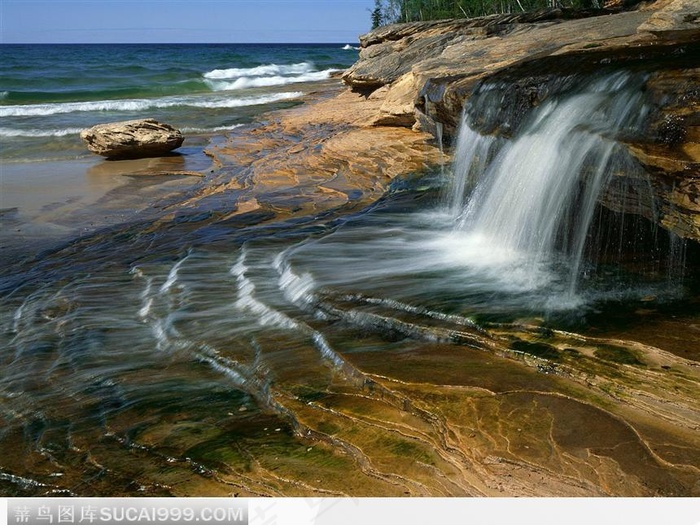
[{"x": 132, "y": 139}]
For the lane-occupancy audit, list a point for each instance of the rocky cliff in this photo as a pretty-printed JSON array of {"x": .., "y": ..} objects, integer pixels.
[{"x": 420, "y": 74}]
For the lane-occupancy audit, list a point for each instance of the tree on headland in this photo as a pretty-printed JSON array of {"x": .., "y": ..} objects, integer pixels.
[
  {"x": 377, "y": 14},
  {"x": 392, "y": 11}
]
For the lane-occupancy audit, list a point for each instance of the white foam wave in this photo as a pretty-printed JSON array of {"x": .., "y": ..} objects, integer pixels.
[
  {"x": 159, "y": 333},
  {"x": 145, "y": 309},
  {"x": 326, "y": 350},
  {"x": 210, "y": 130},
  {"x": 270, "y": 70},
  {"x": 246, "y": 101},
  {"x": 146, "y": 299},
  {"x": 348, "y": 47},
  {"x": 4, "y": 94},
  {"x": 13, "y": 132},
  {"x": 268, "y": 81},
  {"x": 229, "y": 372},
  {"x": 42, "y": 110},
  {"x": 22, "y": 482},
  {"x": 31, "y": 110}
]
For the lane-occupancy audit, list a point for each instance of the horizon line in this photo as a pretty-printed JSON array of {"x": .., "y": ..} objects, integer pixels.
[{"x": 168, "y": 43}]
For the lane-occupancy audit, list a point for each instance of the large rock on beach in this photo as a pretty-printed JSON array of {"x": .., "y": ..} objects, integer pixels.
[{"x": 132, "y": 139}]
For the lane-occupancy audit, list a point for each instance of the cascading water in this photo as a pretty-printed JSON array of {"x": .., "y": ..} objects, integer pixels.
[
  {"x": 472, "y": 155},
  {"x": 511, "y": 234},
  {"x": 533, "y": 198}
]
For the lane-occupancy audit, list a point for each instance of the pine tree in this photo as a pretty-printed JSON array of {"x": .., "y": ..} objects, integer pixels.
[{"x": 377, "y": 14}]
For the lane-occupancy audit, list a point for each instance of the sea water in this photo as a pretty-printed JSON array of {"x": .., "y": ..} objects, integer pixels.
[{"x": 48, "y": 93}]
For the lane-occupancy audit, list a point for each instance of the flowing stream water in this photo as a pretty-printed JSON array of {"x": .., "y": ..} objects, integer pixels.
[{"x": 156, "y": 353}]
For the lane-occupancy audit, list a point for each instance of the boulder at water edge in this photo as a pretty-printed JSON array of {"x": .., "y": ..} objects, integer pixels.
[{"x": 132, "y": 139}]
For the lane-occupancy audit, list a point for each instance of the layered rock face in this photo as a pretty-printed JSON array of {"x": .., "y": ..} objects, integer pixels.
[
  {"x": 132, "y": 139},
  {"x": 425, "y": 72}
]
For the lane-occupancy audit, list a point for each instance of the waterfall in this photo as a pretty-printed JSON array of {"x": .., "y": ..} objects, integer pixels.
[
  {"x": 533, "y": 196},
  {"x": 472, "y": 151}
]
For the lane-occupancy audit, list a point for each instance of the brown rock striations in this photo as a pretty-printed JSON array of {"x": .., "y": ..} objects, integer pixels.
[
  {"x": 389, "y": 52},
  {"x": 325, "y": 154},
  {"x": 675, "y": 18},
  {"x": 425, "y": 72}
]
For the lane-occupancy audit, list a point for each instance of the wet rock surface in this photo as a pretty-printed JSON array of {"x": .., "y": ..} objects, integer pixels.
[{"x": 317, "y": 157}]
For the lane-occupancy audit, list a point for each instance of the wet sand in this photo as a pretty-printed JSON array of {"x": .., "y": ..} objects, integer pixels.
[{"x": 46, "y": 202}]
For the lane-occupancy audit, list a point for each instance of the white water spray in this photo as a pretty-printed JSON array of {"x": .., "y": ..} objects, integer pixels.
[{"x": 535, "y": 198}]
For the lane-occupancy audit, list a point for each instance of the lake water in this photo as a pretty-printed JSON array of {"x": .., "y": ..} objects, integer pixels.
[{"x": 48, "y": 93}]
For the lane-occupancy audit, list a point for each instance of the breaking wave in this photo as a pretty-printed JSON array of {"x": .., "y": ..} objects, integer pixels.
[
  {"x": 209, "y": 130},
  {"x": 264, "y": 76},
  {"x": 142, "y": 104},
  {"x": 271, "y": 70},
  {"x": 12, "y": 132}
]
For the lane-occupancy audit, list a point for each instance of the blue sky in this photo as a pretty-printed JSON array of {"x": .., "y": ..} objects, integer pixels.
[{"x": 240, "y": 21}]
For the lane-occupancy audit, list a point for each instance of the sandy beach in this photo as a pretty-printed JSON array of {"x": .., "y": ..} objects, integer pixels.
[{"x": 44, "y": 203}]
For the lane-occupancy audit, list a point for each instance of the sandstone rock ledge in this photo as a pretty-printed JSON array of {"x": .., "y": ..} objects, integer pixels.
[
  {"x": 425, "y": 72},
  {"x": 322, "y": 155}
]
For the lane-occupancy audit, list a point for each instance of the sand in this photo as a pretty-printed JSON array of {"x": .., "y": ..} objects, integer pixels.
[{"x": 42, "y": 203}]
